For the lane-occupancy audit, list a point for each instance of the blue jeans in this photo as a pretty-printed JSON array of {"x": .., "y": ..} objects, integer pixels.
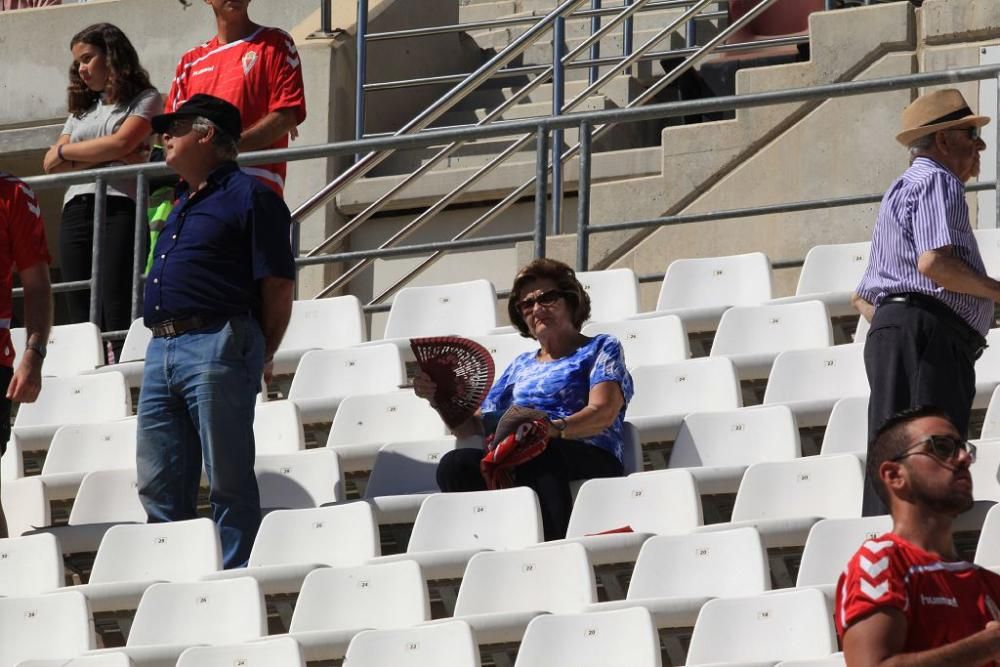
[{"x": 197, "y": 402}]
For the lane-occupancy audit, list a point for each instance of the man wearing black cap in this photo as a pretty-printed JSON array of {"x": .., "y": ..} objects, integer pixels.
[{"x": 218, "y": 298}]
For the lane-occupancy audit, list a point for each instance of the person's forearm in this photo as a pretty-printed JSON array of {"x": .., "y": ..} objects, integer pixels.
[
  {"x": 262, "y": 134},
  {"x": 276, "y": 310},
  {"x": 38, "y": 307},
  {"x": 955, "y": 275},
  {"x": 471, "y": 426},
  {"x": 591, "y": 420},
  {"x": 861, "y": 305},
  {"x": 94, "y": 151},
  {"x": 973, "y": 651}
]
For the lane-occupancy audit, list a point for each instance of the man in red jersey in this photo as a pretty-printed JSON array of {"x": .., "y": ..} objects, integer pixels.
[
  {"x": 905, "y": 597},
  {"x": 22, "y": 245},
  {"x": 256, "y": 69}
]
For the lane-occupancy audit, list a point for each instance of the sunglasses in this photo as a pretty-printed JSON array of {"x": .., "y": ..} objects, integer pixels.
[
  {"x": 942, "y": 447},
  {"x": 971, "y": 132},
  {"x": 544, "y": 299}
]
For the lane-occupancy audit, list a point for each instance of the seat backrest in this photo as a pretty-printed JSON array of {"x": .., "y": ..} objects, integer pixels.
[
  {"x": 136, "y": 341},
  {"x": 712, "y": 564},
  {"x": 835, "y": 660},
  {"x": 985, "y": 483},
  {"x": 736, "y": 280},
  {"x": 503, "y": 519},
  {"x": 82, "y": 399},
  {"x": 988, "y": 241},
  {"x": 30, "y": 565},
  {"x": 44, "y": 627},
  {"x": 459, "y": 308},
  {"x": 277, "y": 428},
  {"x": 397, "y": 416},
  {"x": 816, "y": 486},
  {"x": 228, "y": 611},
  {"x": 387, "y": 595},
  {"x": 369, "y": 369},
  {"x": 832, "y": 542},
  {"x": 72, "y": 349},
  {"x": 847, "y": 430},
  {"x": 614, "y": 293},
  {"x": 407, "y": 467},
  {"x": 991, "y": 424},
  {"x": 773, "y": 329},
  {"x": 450, "y": 644},
  {"x": 823, "y": 373},
  {"x": 833, "y": 268},
  {"x": 686, "y": 386},
  {"x": 988, "y": 365},
  {"x": 631, "y": 449},
  {"x": 108, "y": 496},
  {"x": 103, "y": 660},
  {"x": 620, "y": 637},
  {"x": 278, "y": 652},
  {"x": 337, "y": 535},
  {"x": 325, "y": 324},
  {"x": 646, "y": 342},
  {"x": 87, "y": 447},
  {"x": 988, "y": 549},
  {"x": 504, "y": 348},
  {"x": 303, "y": 479},
  {"x": 662, "y": 501},
  {"x": 736, "y": 437},
  {"x": 176, "y": 551},
  {"x": 556, "y": 579}
]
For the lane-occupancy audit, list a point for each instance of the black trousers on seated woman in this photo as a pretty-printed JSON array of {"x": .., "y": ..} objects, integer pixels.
[{"x": 548, "y": 475}]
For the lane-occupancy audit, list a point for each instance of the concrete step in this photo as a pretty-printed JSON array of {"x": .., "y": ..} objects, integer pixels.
[
  {"x": 519, "y": 111},
  {"x": 620, "y": 90},
  {"x": 486, "y": 11}
]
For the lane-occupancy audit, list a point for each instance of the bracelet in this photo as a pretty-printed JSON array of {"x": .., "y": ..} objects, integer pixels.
[
  {"x": 59, "y": 152},
  {"x": 560, "y": 428}
]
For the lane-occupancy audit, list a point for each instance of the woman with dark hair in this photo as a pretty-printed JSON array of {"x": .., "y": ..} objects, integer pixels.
[
  {"x": 110, "y": 105},
  {"x": 579, "y": 383}
]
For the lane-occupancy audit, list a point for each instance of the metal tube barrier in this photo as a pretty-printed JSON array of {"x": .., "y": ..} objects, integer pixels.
[
  {"x": 325, "y": 18},
  {"x": 416, "y": 249},
  {"x": 541, "y": 181},
  {"x": 361, "y": 45},
  {"x": 139, "y": 241},
  {"x": 628, "y": 34},
  {"x": 583, "y": 200},
  {"x": 595, "y": 48},
  {"x": 558, "y": 98},
  {"x": 100, "y": 224}
]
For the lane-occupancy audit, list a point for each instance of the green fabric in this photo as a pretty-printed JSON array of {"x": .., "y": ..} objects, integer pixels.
[{"x": 161, "y": 202}]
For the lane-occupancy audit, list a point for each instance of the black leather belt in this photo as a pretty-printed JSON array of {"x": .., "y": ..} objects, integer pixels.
[
  {"x": 182, "y": 325},
  {"x": 962, "y": 329}
]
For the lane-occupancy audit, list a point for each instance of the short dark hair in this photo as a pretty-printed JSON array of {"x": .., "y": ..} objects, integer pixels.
[
  {"x": 891, "y": 439},
  {"x": 565, "y": 279}
]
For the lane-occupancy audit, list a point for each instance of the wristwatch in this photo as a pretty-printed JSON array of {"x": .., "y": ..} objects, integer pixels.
[{"x": 39, "y": 349}]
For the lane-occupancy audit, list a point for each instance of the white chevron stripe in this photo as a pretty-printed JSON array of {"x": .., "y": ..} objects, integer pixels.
[
  {"x": 293, "y": 62},
  {"x": 874, "y": 592},
  {"x": 35, "y": 211},
  {"x": 873, "y": 570},
  {"x": 28, "y": 192},
  {"x": 876, "y": 547},
  {"x": 291, "y": 47}
]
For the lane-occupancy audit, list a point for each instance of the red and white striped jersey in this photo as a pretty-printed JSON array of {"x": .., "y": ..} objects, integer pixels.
[
  {"x": 259, "y": 74},
  {"x": 943, "y": 601}
]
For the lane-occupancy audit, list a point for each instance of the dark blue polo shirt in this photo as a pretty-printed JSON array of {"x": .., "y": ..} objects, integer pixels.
[{"x": 215, "y": 247}]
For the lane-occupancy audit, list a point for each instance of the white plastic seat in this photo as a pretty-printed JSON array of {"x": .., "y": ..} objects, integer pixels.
[
  {"x": 319, "y": 324},
  {"x": 621, "y": 637},
  {"x": 988, "y": 370},
  {"x": 717, "y": 447},
  {"x": 132, "y": 359},
  {"x": 861, "y": 331},
  {"x": 991, "y": 423},
  {"x": 277, "y": 428},
  {"x": 78, "y": 449},
  {"x": 810, "y": 382},
  {"x": 463, "y": 309},
  {"x": 988, "y": 549},
  {"x": 72, "y": 349},
  {"x": 30, "y": 565},
  {"x": 783, "y": 499},
  {"x": 835, "y": 660},
  {"x": 646, "y": 342},
  {"x": 109, "y": 660},
  {"x": 292, "y": 543},
  {"x": 771, "y": 627},
  {"x": 675, "y": 575},
  {"x": 443, "y": 645},
  {"x": 326, "y": 377},
  {"x": 830, "y": 274},
  {"x": 303, "y": 479},
  {"x": 403, "y": 475},
  {"x": 614, "y": 293},
  {"x": 831, "y": 544},
  {"x": 281, "y": 652},
  {"x": 847, "y": 430},
  {"x": 504, "y": 348},
  {"x": 55, "y": 626},
  {"x": 664, "y": 394},
  {"x": 752, "y": 336},
  {"x": 389, "y": 595},
  {"x": 985, "y": 484},
  {"x": 988, "y": 241},
  {"x": 364, "y": 423},
  {"x": 452, "y": 527}
]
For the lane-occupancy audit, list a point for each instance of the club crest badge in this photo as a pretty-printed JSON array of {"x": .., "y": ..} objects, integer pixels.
[{"x": 249, "y": 60}]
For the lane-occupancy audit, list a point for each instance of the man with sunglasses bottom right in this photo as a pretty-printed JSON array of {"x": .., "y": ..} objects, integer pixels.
[{"x": 905, "y": 597}]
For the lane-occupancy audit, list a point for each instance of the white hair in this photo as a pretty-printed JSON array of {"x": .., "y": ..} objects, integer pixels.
[
  {"x": 922, "y": 145},
  {"x": 225, "y": 146}
]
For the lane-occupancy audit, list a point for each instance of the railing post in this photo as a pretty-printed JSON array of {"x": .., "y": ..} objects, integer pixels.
[
  {"x": 139, "y": 241},
  {"x": 541, "y": 188},
  {"x": 828, "y": 5},
  {"x": 558, "y": 99},
  {"x": 325, "y": 18},
  {"x": 100, "y": 215},
  {"x": 583, "y": 200},
  {"x": 691, "y": 34},
  {"x": 361, "y": 45},
  {"x": 627, "y": 36},
  {"x": 595, "y": 48}
]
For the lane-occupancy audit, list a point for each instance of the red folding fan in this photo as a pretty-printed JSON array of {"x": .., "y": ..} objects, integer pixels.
[{"x": 461, "y": 368}]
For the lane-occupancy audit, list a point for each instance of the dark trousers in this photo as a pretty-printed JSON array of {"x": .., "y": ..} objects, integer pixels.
[
  {"x": 6, "y": 373},
  {"x": 76, "y": 242},
  {"x": 917, "y": 356},
  {"x": 548, "y": 474}
]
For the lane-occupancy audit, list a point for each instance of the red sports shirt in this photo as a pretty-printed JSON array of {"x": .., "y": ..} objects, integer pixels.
[
  {"x": 259, "y": 74},
  {"x": 22, "y": 245},
  {"x": 943, "y": 601}
]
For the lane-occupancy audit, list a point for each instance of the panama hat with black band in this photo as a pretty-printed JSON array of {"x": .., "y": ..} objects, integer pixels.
[
  {"x": 224, "y": 115},
  {"x": 941, "y": 110}
]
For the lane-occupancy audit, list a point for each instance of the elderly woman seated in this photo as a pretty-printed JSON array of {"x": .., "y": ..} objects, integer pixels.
[{"x": 579, "y": 383}]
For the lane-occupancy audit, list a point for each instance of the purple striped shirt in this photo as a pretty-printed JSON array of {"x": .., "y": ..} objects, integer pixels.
[{"x": 923, "y": 210}]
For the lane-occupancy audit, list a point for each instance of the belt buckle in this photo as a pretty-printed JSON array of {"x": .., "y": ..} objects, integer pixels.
[{"x": 168, "y": 329}]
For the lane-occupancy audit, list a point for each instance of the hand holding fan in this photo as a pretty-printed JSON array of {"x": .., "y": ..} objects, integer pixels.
[{"x": 461, "y": 368}]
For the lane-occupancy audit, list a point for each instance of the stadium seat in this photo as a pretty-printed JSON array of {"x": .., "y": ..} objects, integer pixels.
[
  {"x": 326, "y": 377},
  {"x": 292, "y": 543},
  {"x": 462, "y": 309},
  {"x": 30, "y": 565},
  {"x": 985, "y": 484},
  {"x": 861, "y": 331},
  {"x": 72, "y": 349},
  {"x": 676, "y": 575},
  {"x": 277, "y": 428},
  {"x": 835, "y": 660},
  {"x": 991, "y": 423},
  {"x": 752, "y": 336},
  {"x": 109, "y": 660},
  {"x": 847, "y": 430},
  {"x": 831, "y": 544},
  {"x": 988, "y": 241},
  {"x": 443, "y": 645},
  {"x": 771, "y": 627},
  {"x": 664, "y": 394},
  {"x": 810, "y": 382},
  {"x": 54, "y": 626},
  {"x": 988, "y": 549},
  {"x": 504, "y": 348},
  {"x": 632, "y": 449},
  {"x": 300, "y": 480},
  {"x": 364, "y": 423},
  {"x": 324, "y": 324},
  {"x": 78, "y": 449},
  {"x": 132, "y": 358},
  {"x": 403, "y": 475},
  {"x": 646, "y": 342},
  {"x": 614, "y": 293},
  {"x": 988, "y": 370},
  {"x": 390, "y": 595},
  {"x": 281, "y": 652},
  {"x": 175, "y": 616},
  {"x": 621, "y": 637},
  {"x": 717, "y": 447},
  {"x": 830, "y": 274},
  {"x": 452, "y": 527}
]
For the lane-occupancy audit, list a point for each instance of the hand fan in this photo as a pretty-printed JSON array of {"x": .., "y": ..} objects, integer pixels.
[
  {"x": 514, "y": 417},
  {"x": 461, "y": 368}
]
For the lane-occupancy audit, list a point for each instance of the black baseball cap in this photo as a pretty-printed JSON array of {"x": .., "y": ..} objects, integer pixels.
[{"x": 225, "y": 116}]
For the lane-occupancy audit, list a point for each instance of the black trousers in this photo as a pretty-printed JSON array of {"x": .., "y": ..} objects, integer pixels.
[
  {"x": 918, "y": 354},
  {"x": 548, "y": 474},
  {"x": 6, "y": 374}
]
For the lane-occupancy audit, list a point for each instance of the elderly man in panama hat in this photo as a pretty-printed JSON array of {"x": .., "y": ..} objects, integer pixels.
[{"x": 925, "y": 291}]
